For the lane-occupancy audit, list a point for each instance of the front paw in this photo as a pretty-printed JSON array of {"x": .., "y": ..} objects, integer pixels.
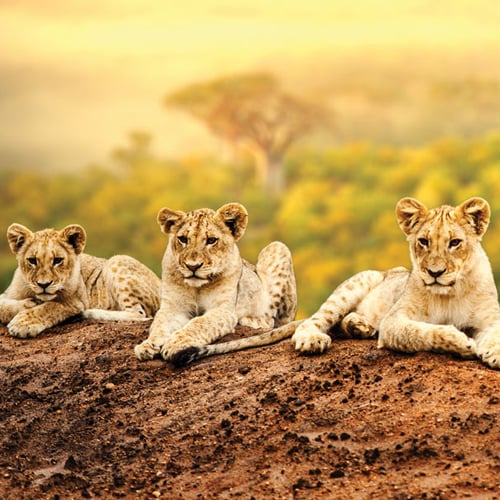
[
  {"x": 489, "y": 353},
  {"x": 455, "y": 341},
  {"x": 23, "y": 326},
  {"x": 309, "y": 339},
  {"x": 470, "y": 349},
  {"x": 147, "y": 350},
  {"x": 170, "y": 349}
]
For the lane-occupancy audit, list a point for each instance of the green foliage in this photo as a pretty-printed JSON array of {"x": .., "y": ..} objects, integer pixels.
[{"x": 337, "y": 213}]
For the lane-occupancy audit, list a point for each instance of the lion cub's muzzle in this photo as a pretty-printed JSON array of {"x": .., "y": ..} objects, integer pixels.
[
  {"x": 193, "y": 268},
  {"x": 438, "y": 278},
  {"x": 194, "y": 274},
  {"x": 45, "y": 290}
]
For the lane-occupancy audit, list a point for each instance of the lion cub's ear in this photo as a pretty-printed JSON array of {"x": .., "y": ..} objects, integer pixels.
[
  {"x": 17, "y": 234},
  {"x": 74, "y": 235},
  {"x": 167, "y": 218},
  {"x": 408, "y": 212},
  {"x": 235, "y": 217},
  {"x": 476, "y": 212}
]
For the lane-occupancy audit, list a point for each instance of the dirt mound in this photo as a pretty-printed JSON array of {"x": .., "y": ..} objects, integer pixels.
[{"x": 81, "y": 417}]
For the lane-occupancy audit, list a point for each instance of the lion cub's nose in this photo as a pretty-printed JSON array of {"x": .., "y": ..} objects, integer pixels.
[
  {"x": 44, "y": 285},
  {"x": 436, "y": 274},
  {"x": 193, "y": 267}
]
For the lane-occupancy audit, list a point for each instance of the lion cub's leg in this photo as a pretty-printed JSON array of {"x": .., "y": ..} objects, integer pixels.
[
  {"x": 32, "y": 321},
  {"x": 275, "y": 270},
  {"x": 312, "y": 335},
  {"x": 161, "y": 332},
  {"x": 10, "y": 307},
  {"x": 400, "y": 333}
]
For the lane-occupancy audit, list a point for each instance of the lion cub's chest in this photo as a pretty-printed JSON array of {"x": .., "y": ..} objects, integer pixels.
[
  {"x": 448, "y": 311},
  {"x": 243, "y": 293},
  {"x": 195, "y": 309},
  {"x": 455, "y": 309}
]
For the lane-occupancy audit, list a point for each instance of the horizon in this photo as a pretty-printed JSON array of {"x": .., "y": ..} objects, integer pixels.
[{"x": 78, "y": 77}]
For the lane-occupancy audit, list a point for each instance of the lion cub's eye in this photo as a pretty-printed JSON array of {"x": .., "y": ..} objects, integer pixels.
[
  {"x": 455, "y": 242},
  {"x": 424, "y": 242},
  {"x": 212, "y": 240},
  {"x": 32, "y": 261},
  {"x": 182, "y": 239},
  {"x": 57, "y": 260}
]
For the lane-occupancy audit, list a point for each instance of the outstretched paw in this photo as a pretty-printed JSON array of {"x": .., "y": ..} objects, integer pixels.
[
  {"x": 24, "y": 324},
  {"x": 170, "y": 350},
  {"x": 456, "y": 342},
  {"x": 489, "y": 353},
  {"x": 147, "y": 350},
  {"x": 309, "y": 339},
  {"x": 470, "y": 349},
  {"x": 185, "y": 356}
]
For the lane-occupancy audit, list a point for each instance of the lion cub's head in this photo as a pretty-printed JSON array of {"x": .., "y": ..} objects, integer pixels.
[
  {"x": 202, "y": 245},
  {"x": 46, "y": 258},
  {"x": 445, "y": 241}
]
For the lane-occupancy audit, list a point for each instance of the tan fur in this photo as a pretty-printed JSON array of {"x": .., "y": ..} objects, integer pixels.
[
  {"x": 207, "y": 288},
  {"x": 54, "y": 280},
  {"x": 449, "y": 294}
]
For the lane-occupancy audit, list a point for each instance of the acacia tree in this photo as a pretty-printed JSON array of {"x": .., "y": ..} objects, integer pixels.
[
  {"x": 251, "y": 111},
  {"x": 136, "y": 151}
]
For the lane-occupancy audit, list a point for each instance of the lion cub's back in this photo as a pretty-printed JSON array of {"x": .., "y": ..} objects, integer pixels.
[{"x": 108, "y": 280}]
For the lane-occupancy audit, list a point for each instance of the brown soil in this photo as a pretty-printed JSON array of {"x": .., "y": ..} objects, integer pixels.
[{"x": 81, "y": 417}]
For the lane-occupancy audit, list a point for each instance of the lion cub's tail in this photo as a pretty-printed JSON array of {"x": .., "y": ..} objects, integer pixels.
[{"x": 191, "y": 354}]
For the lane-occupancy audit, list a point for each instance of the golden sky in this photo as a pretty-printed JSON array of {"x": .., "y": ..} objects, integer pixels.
[{"x": 76, "y": 75}]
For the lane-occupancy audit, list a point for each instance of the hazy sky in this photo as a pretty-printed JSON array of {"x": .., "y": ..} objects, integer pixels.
[{"x": 77, "y": 75}]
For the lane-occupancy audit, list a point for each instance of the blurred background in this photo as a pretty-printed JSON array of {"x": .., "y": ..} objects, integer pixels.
[{"x": 317, "y": 116}]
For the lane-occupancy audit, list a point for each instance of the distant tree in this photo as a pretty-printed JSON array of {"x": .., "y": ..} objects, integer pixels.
[
  {"x": 136, "y": 151},
  {"x": 251, "y": 111}
]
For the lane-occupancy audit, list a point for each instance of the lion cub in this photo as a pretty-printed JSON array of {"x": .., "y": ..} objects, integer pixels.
[
  {"x": 447, "y": 303},
  {"x": 207, "y": 288},
  {"x": 54, "y": 280}
]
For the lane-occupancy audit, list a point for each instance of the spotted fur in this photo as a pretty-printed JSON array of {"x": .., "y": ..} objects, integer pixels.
[
  {"x": 446, "y": 303},
  {"x": 55, "y": 280},
  {"x": 208, "y": 288}
]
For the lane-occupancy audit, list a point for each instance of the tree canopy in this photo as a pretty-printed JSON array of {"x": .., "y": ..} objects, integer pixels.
[{"x": 251, "y": 111}]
